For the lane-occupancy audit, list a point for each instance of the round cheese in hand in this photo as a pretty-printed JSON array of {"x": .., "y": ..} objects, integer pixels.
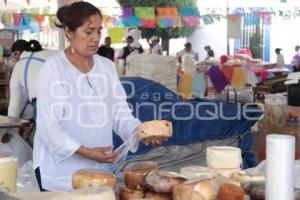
[
  {"x": 135, "y": 174},
  {"x": 223, "y": 157},
  {"x": 192, "y": 172},
  {"x": 249, "y": 176},
  {"x": 163, "y": 181},
  {"x": 85, "y": 178},
  {"x": 129, "y": 194},
  {"x": 155, "y": 129},
  {"x": 197, "y": 189}
]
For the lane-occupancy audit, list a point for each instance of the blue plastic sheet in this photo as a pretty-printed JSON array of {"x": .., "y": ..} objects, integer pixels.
[{"x": 193, "y": 120}]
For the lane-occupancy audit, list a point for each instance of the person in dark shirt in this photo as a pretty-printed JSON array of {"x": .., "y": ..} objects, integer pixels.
[
  {"x": 210, "y": 52},
  {"x": 128, "y": 49},
  {"x": 105, "y": 50}
]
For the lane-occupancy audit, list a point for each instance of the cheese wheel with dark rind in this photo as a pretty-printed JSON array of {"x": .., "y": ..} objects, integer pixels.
[{"x": 135, "y": 174}]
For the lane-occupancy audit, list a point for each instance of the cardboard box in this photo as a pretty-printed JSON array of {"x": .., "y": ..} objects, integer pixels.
[{"x": 279, "y": 120}]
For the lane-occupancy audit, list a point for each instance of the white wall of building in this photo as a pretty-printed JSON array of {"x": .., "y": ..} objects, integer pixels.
[
  {"x": 214, "y": 35},
  {"x": 284, "y": 35}
]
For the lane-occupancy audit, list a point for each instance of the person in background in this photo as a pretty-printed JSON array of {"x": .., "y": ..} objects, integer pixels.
[
  {"x": 279, "y": 58},
  {"x": 296, "y": 59},
  {"x": 127, "y": 50},
  {"x": 186, "y": 51},
  {"x": 210, "y": 52},
  {"x": 81, "y": 102},
  {"x": 23, "y": 80},
  {"x": 105, "y": 50},
  {"x": 16, "y": 49},
  {"x": 155, "y": 47}
]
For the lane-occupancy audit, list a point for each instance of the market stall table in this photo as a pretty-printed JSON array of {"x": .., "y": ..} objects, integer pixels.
[{"x": 10, "y": 122}]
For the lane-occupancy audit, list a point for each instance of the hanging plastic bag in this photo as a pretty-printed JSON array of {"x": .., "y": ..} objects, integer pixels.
[
  {"x": 17, "y": 146},
  {"x": 130, "y": 145},
  {"x": 26, "y": 181}
]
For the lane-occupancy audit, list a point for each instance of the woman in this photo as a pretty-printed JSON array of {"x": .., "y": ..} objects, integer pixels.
[
  {"x": 155, "y": 47},
  {"x": 80, "y": 102},
  {"x": 22, "y": 83}
]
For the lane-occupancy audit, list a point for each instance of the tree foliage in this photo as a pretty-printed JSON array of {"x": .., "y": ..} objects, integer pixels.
[{"x": 163, "y": 32}]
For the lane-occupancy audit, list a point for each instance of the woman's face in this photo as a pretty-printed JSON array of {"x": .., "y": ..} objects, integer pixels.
[{"x": 85, "y": 40}]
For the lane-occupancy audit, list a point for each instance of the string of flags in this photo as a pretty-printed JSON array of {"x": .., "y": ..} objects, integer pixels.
[
  {"x": 162, "y": 17},
  {"x": 28, "y": 1}
]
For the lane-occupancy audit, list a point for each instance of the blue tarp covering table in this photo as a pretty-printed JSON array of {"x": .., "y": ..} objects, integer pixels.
[{"x": 194, "y": 120}]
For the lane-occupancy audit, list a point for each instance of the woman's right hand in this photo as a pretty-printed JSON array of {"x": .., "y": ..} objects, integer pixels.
[{"x": 99, "y": 154}]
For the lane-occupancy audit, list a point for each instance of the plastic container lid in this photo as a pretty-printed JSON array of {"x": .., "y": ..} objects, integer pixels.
[{"x": 6, "y": 157}]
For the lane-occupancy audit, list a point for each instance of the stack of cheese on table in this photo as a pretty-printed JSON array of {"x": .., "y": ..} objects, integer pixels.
[{"x": 161, "y": 69}]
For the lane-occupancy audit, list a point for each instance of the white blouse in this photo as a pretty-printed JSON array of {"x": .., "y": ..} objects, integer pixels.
[
  {"x": 75, "y": 109},
  {"x": 157, "y": 49}
]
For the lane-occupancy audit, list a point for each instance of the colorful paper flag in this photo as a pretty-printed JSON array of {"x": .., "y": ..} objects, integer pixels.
[
  {"x": 28, "y": 2},
  {"x": 239, "y": 78},
  {"x": 127, "y": 12},
  {"x": 267, "y": 19},
  {"x": 228, "y": 72},
  {"x": 5, "y": 2},
  {"x": 185, "y": 86},
  {"x": 39, "y": 19},
  {"x": 17, "y": 18},
  {"x": 7, "y": 19},
  {"x": 189, "y": 11},
  {"x": 217, "y": 78},
  {"x": 170, "y": 12},
  {"x": 148, "y": 23},
  {"x": 26, "y": 19},
  {"x": 191, "y": 21},
  {"x": 166, "y": 22},
  {"x": 198, "y": 85},
  {"x": 132, "y": 21},
  {"x": 144, "y": 12},
  {"x": 116, "y": 34}
]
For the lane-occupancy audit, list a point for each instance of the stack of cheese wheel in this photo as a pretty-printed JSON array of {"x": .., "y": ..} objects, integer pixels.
[
  {"x": 86, "y": 178},
  {"x": 196, "y": 189},
  {"x": 155, "y": 130},
  {"x": 135, "y": 174},
  {"x": 224, "y": 160},
  {"x": 134, "y": 179}
]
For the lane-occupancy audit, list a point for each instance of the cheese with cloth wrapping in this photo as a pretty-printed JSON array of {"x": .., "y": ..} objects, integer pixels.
[
  {"x": 192, "y": 172},
  {"x": 196, "y": 189},
  {"x": 223, "y": 157},
  {"x": 163, "y": 181},
  {"x": 155, "y": 129},
  {"x": 85, "y": 178},
  {"x": 249, "y": 176}
]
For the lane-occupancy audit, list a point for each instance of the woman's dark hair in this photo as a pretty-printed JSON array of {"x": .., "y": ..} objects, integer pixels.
[
  {"x": 75, "y": 14},
  {"x": 34, "y": 46},
  {"x": 19, "y": 45}
]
